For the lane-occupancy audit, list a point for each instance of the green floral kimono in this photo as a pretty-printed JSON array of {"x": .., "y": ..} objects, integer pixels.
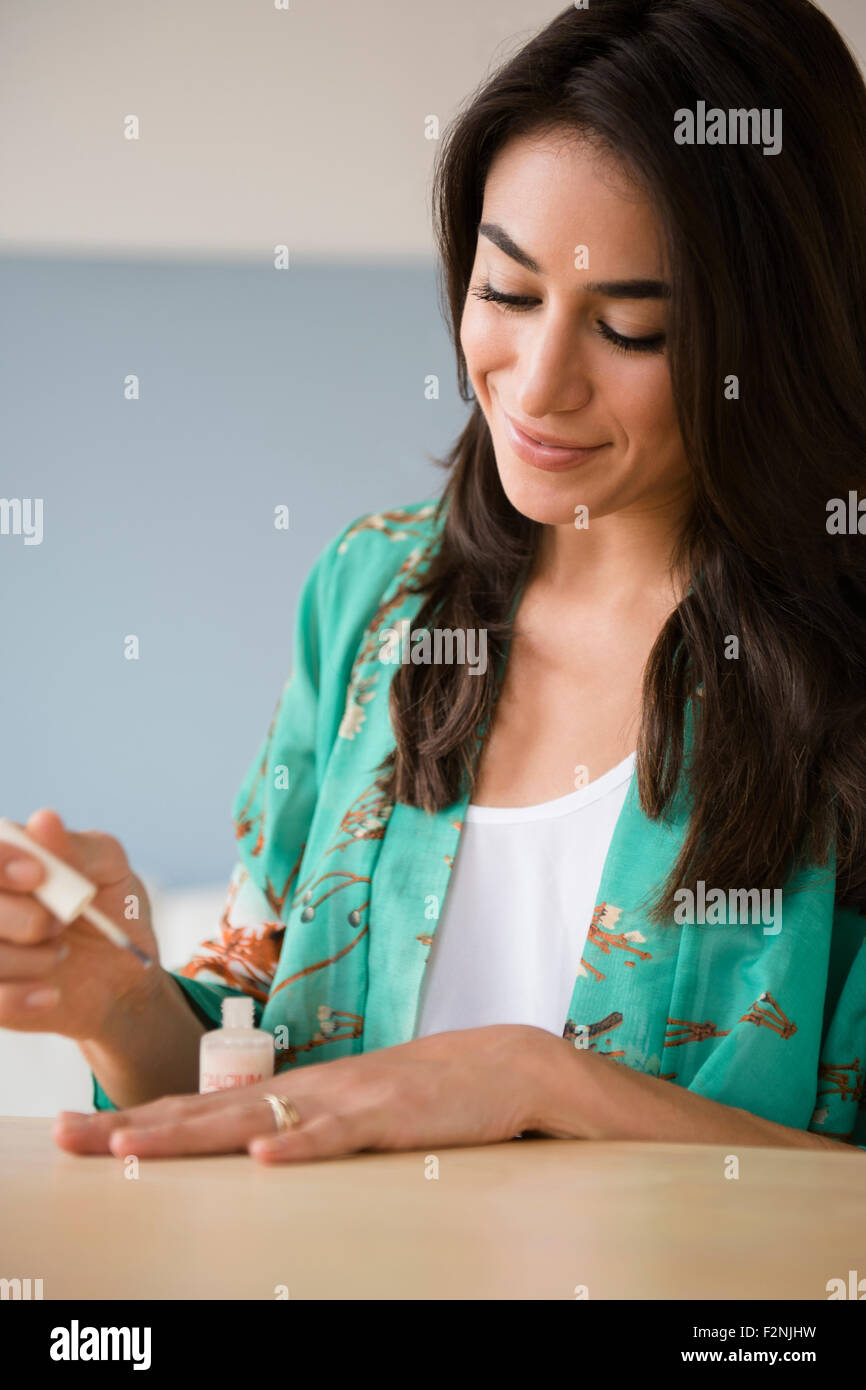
[{"x": 771, "y": 1021}]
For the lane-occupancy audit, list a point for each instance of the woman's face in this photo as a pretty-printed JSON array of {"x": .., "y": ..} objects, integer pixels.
[{"x": 580, "y": 359}]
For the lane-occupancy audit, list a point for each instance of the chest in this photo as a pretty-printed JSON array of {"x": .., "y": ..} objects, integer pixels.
[{"x": 569, "y": 708}]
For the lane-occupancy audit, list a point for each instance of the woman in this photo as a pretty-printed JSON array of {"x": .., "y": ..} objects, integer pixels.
[{"x": 637, "y": 711}]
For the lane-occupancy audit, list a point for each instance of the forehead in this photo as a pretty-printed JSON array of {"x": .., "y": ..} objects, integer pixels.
[{"x": 555, "y": 191}]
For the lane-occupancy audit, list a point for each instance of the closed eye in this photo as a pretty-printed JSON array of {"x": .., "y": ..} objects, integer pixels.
[
  {"x": 519, "y": 303},
  {"x": 654, "y": 343}
]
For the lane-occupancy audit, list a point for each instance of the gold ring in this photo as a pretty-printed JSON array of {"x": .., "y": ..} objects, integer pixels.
[{"x": 285, "y": 1113}]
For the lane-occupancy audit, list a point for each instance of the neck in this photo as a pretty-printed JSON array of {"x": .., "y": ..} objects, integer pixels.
[{"x": 618, "y": 558}]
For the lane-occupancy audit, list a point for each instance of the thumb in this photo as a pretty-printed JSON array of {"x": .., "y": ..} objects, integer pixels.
[
  {"x": 99, "y": 857},
  {"x": 47, "y": 829}
]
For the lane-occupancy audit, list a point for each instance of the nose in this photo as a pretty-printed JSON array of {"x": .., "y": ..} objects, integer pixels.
[{"x": 552, "y": 375}]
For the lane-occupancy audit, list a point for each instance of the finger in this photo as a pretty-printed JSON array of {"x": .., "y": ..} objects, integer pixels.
[
  {"x": 30, "y": 962},
  {"x": 20, "y": 872},
  {"x": 321, "y": 1136},
  {"x": 82, "y": 1134},
  {"x": 98, "y": 856},
  {"x": 23, "y": 871},
  {"x": 90, "y": 1133},
  {"x": 25, "y": 922},
  {"x": 224, "y": 1130},
  {"x": 28, "y": 1004}
]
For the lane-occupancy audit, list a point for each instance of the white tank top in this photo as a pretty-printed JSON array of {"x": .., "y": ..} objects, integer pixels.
[{"x": 516, "y": 916}]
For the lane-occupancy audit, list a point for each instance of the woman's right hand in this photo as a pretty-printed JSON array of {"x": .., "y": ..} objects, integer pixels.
[{"x": 71, "y": 979}]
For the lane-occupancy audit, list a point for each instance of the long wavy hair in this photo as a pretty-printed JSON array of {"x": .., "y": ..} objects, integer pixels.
[{"x": 768, "y": 261}]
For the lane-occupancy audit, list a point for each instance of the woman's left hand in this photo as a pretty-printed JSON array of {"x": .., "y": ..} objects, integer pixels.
[{"x": 475, "y": 1086}]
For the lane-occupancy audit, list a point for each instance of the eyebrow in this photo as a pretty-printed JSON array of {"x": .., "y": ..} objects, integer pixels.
[{"x": 611, "y": 289}]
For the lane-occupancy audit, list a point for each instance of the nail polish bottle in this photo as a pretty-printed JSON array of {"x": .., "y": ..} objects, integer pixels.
[{"x": 238, "y": 1053}]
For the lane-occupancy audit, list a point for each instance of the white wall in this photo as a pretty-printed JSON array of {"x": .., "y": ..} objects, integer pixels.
[{"x": 258, "y": 125}]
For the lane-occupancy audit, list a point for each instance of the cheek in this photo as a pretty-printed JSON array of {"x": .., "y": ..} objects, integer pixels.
[
  {"x": 644, "y": 400},
  {"x": 484, "y": 340}
]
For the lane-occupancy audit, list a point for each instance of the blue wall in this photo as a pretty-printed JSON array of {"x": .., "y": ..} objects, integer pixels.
[{"x": 257, "y": 388}]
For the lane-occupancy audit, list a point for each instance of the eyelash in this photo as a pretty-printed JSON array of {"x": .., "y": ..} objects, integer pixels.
[{"x": 516, "y": 303}]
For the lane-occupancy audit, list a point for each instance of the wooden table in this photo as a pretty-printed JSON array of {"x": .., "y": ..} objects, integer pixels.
[{"x": 531, "y": 1219}]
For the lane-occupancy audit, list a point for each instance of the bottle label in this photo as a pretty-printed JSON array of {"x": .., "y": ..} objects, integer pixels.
[{"x": 216, "y": 1081}]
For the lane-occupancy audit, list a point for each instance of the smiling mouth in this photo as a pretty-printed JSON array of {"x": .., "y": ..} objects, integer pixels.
[
  {"x": 552, "y": 443},
  {"x": 540, "y": 453},
  {"x": 546, "y": 444}
]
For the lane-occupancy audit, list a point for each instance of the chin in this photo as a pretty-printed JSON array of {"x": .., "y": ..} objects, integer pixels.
[{"x": 548, "y": 498}]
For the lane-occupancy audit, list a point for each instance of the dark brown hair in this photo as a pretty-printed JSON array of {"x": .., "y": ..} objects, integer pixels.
[{"x": 768, "y": 261}]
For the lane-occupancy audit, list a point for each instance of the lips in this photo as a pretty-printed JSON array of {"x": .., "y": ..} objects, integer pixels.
[
  {"x": 547, "y": 439},
  {"x": 540, "y": 453}
]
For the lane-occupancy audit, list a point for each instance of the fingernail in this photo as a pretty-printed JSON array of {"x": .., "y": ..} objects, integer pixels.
[
  {"x": 265, "y": 1146},
  {"x": 62, "y": 953},
  {"x": 42, "y": 998},
  {"x": 21, "y": 871}
]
